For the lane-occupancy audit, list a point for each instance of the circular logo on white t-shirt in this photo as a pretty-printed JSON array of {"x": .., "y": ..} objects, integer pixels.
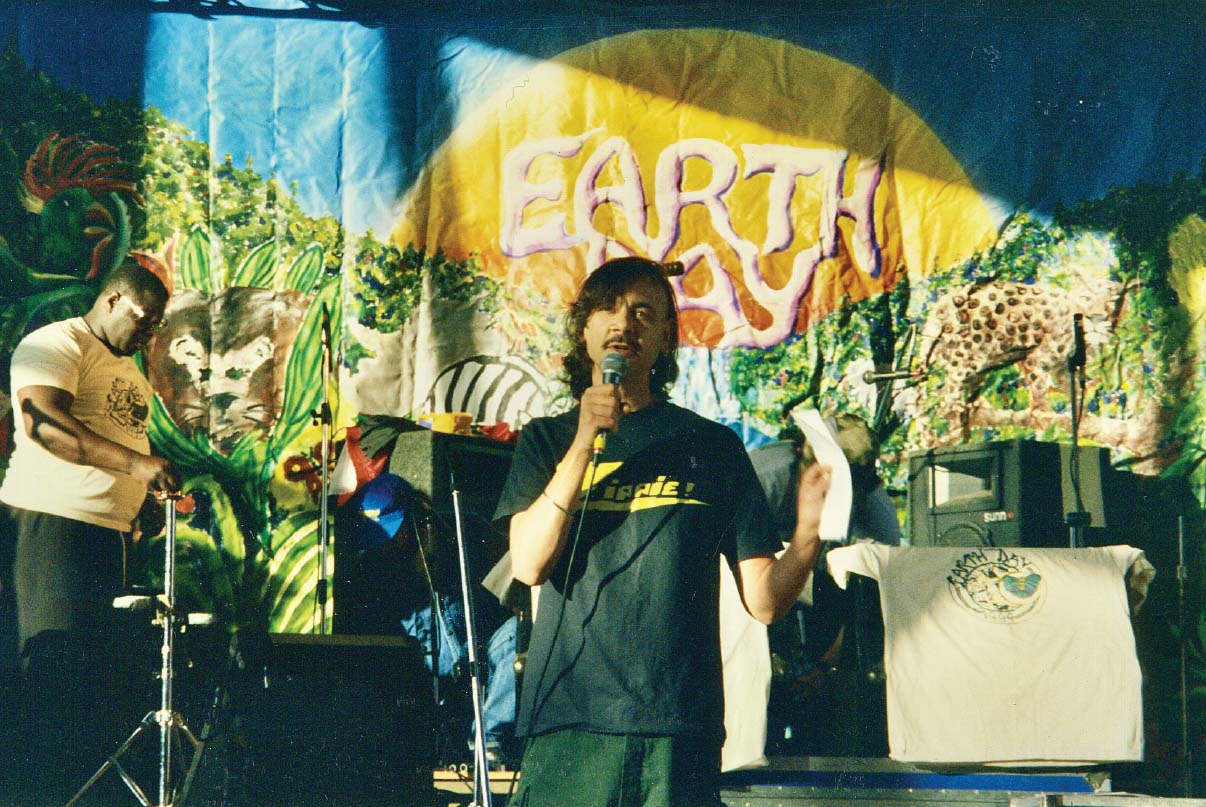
[{"x": 997, "y": 584}]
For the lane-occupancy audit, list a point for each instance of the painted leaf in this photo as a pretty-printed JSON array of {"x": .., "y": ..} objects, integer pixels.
[
  {"x": 258, "y": 269},
  {"x": 302, "y": 394},
  {"x": 195, "y": 262},
  {"x": 306, "y": 270}
]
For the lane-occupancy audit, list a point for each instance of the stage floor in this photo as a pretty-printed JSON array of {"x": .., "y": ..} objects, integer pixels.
[
  {"x": 785, "y": 782},
  {"x": 799, "y": 781},
  {"x": 834, "y": 781}
]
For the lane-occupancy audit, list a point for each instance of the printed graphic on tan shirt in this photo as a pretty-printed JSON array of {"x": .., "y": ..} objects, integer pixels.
[{"x": 128, "y": 408}]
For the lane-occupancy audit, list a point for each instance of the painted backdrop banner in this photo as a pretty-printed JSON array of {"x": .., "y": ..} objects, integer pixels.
[{"x": 932, "y": 189}]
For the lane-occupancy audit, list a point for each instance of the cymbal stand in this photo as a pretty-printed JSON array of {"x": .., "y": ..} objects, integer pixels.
[
  {"x": 482, "y": 796},
  {"x": 171, "y": 723}
]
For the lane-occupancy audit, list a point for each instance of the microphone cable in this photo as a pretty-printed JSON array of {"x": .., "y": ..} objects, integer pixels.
[
  {"x": 613, "y": 367},
  {"x": 569, "y": 567}
]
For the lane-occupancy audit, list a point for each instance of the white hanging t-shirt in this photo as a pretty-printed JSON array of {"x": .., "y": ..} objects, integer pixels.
[
  {"x": 745, "y": 655},
  {"x": 1007, "y": 654}
]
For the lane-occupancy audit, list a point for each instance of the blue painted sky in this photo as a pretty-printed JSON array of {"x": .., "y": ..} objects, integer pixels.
[
  {"x": 307, "y": 101},
  {"x": 1042, "y": 107}
]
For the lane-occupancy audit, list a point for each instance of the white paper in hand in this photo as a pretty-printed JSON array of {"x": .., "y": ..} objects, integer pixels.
[{"x": 835, "y": 517}]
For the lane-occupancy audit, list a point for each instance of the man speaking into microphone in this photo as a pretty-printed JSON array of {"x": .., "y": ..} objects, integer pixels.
[{"x": 619, "y": 509}]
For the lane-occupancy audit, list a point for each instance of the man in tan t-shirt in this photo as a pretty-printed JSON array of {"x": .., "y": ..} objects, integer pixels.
[{"x": 80, "y": 472}]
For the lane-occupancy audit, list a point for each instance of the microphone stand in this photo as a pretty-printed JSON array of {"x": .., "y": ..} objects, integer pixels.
[
  {"x": 322, "y": 415},
  {"x": 171, "y": 723},
  {"x": 482, "y": 797},
  {"x": 883, "y": 392},
  {"x": 1182, "y": 627},
  {"x": 1078, "y": 519}
]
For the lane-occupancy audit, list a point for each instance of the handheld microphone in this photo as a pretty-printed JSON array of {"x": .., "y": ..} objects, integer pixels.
[
  {"x": 1076, "y": 360},
  {"x": 613, "y": 368},
  {"x": 870, "y": 377}
]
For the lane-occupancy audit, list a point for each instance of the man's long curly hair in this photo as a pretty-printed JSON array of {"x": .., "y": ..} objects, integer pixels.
[{"x": 600, "y": 291}]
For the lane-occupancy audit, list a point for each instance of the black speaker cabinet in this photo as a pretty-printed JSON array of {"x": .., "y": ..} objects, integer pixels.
[
  {"x": 375, "y": 588},
  {"x": 436, "y": 463},
  {"x": 338, "y": 719},
  {"x": 995, "y": 494}
]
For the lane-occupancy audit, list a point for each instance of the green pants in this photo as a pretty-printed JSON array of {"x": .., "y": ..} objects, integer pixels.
[{"x": 572, "y": 768}]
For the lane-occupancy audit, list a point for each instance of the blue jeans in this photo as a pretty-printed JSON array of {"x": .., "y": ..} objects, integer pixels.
[
  {"x": 452, "y": 647},
  {"x": 498, "y": 713},
  {"x": 498, "y": 709}
]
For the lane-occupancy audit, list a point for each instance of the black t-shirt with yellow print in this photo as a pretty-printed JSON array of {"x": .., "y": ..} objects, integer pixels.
[{"x": 635, "y": 647}]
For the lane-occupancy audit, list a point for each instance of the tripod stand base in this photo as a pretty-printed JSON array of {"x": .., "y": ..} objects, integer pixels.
[{"x": 176, "y": 727}]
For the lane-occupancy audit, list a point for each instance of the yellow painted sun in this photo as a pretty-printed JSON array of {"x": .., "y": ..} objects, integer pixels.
[{"x": 788, "y": 182}]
